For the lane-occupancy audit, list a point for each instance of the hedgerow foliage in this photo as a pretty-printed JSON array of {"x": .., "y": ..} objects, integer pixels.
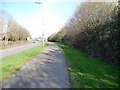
[{"x": 94, "y": 29}]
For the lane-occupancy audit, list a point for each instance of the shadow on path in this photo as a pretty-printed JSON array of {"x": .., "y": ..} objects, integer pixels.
[{"x": 46, "y": 70}]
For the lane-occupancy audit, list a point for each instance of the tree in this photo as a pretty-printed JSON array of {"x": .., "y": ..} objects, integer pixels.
[{"x": 94, "y": 30}]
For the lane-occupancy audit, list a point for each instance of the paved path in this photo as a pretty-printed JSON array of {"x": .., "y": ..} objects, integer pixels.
[
  {"x": 46, "y": 70},
  {"x": 10, "y": 51}
]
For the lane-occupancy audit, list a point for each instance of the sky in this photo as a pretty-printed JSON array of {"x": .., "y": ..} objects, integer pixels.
[{"x": 45, "y": 18}]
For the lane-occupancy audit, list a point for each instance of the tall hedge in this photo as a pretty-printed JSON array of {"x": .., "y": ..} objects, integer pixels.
[{"x": 94, "y": 29}]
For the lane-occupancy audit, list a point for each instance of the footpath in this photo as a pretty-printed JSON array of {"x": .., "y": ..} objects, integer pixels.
[{"x": 47, "y": 70}]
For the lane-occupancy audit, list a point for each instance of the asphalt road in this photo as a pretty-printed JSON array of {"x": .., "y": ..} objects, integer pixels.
[{"x": 10, "y": 51}]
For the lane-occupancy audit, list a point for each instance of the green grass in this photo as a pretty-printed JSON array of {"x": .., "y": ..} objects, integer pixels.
[
  {"x": 88, "y": 72},
  {"x": 10, "y": 64}
]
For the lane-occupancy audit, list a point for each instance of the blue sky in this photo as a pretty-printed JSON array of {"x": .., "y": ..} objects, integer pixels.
[
  {"x": 31, "y": 16},
  {"x": 48, "y": 20}
]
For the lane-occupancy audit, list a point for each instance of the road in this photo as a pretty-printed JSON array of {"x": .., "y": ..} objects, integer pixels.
[{"x": 10, "y": 51}]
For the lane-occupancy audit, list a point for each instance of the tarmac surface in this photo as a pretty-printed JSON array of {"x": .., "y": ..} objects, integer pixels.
[
  {"x": 14, "y": 50},
  {"x": 46, "y": 70}
]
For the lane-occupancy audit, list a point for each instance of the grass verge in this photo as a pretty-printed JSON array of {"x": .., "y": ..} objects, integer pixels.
[
  {"x": 88, "y": 72},
  {"x": 10, "y": 64}
]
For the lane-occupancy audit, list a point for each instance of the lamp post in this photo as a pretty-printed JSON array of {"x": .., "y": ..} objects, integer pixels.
[{"x": 42, "y": 22}]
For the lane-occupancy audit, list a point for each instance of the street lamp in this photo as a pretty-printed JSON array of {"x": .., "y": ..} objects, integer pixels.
[
  {"x": 42, "y": 22},
  {"x": 37, "y": 2}
]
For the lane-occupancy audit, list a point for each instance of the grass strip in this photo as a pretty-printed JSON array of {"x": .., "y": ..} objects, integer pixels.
[
  {"x": 10, "y": 64},
  {"x": 89, "y": 72}
]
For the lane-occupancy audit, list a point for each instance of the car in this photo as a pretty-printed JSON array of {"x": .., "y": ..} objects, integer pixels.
[{"x": 33, "y": 42}]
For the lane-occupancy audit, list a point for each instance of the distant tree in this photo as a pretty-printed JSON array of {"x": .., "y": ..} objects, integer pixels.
[{"x": 15, "y": 32}]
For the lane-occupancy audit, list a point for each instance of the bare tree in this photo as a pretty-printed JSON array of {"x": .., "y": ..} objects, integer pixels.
[{"x": 93, "y": 29}]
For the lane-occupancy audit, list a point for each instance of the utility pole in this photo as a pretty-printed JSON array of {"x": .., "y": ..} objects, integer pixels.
[{"x": 42, "y": 22}]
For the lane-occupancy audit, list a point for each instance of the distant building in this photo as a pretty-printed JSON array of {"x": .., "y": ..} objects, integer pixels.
[
  {"x": 28, "y": 39},
  {"x": 38, "y": 39}
]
